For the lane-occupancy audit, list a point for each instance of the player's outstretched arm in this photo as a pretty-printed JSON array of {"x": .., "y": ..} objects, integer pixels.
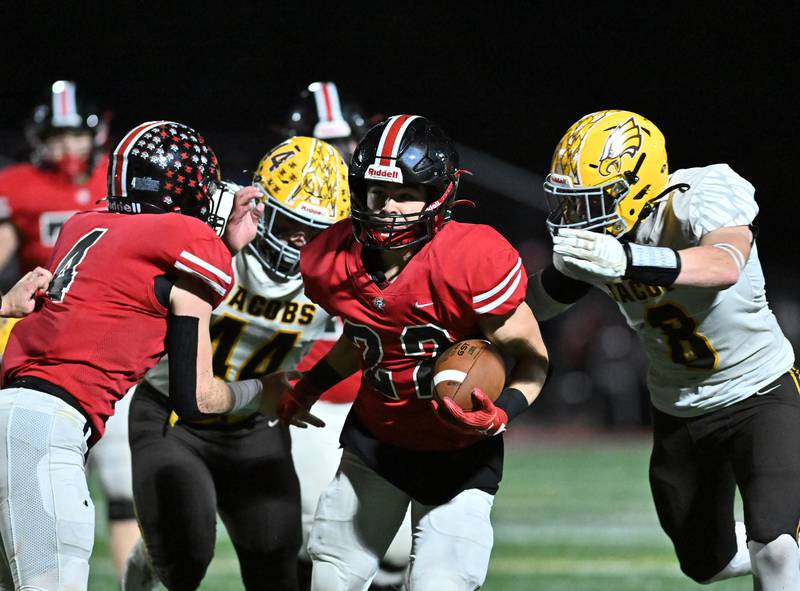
[
  {"x": 21, "y": 298},
  {"x": 551, "y": 292},
  {"x": 716, "y": 262},
  {"x": 193, "y": 389},
  {"x": 338, "y": 364}
]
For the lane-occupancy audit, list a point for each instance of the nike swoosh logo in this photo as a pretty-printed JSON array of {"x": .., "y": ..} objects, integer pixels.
[
  {"x": 418, "y": 305},
  {"x": 273, "y": 423}
]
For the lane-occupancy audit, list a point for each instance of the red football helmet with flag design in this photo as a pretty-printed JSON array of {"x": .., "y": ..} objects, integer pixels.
[
  {"x": 163, "y": 166},
  {"x": 408, "y": 150}
]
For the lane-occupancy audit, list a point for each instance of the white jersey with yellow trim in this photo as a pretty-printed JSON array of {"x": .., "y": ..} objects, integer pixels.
[
  {"x": 708, "y": 348},
  {"x": 262, "y": 326}
]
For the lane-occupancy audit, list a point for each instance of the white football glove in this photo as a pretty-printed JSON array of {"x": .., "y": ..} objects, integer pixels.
[{"x": 589, "y": 256}]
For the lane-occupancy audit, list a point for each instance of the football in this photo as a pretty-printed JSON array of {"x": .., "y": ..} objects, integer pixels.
[{"x": 473, "y": 363}]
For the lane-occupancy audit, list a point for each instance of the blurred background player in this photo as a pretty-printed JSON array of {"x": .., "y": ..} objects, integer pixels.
[
  {"x": 240, "y": 467},
  {"x": 125, "y": 287},
  {"x": 67, "y": 173},
  {"x": 325, "y": 113},
  {"x": 399, "y": 274},
  {"x": 677, "y": 253},
  {"x": 322, "y": 112},
  {"x": 67, "y": 137}
]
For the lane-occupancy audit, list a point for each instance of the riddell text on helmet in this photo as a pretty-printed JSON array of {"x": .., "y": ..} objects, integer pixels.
[{"x": 384, "y": 173}]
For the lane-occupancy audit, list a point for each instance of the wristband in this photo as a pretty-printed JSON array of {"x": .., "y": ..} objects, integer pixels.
[
  {"x": 512, "y": 401},
  {"x": 246, "y": 396},
  {"x": 652, "y": 265},
  {"x": 318, "y": 379}
]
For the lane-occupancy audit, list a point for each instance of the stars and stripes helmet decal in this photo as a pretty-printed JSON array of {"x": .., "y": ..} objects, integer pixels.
[
  {"x": 404, "y": 150},
  {"x": 163, "y": 166}
]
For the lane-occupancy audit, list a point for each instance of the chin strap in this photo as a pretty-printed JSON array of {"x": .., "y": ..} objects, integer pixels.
[{"x": 650, "y": 206}]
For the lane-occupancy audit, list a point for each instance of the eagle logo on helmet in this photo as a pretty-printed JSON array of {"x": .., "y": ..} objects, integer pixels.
[{"x": 624, "y": 140}]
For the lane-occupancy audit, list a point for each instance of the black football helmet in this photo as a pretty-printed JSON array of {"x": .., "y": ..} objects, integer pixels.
[
  {"x": 322, "y": 112},
  {"x": 409, "y": 150},
  {"x": 163, "y": 166},
  {"x": 63, "y": 109}
]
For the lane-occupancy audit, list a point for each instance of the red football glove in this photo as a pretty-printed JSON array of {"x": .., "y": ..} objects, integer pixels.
[
  {"x": 294, "y": 405},
  {"x": 488, "y": 419}
]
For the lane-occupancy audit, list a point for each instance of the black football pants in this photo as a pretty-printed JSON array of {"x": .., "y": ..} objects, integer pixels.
[
  {"x": 184, "y": 475},
  {"x": 698, "y": 463}
]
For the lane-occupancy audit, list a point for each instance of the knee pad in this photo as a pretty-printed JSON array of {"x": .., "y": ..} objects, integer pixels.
[
  {"x": 774, "y": 556},
  {"x": 327, "y": 576}
]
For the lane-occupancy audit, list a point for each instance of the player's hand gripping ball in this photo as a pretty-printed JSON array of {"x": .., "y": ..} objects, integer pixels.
[{"x": 469, "y": 364}]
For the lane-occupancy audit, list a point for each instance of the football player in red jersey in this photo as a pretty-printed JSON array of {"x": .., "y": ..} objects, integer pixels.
[
  {"x": 66, "y": 174},
  {"x": 324, "y": 111},
  {"x": 408, "y": 282},
  {"x": 128, "y": 285}
]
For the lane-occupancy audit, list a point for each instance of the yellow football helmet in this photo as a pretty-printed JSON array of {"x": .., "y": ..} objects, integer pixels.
[
  {"x": 304, "y": 182},
  {"x": 606, "y": 171}
]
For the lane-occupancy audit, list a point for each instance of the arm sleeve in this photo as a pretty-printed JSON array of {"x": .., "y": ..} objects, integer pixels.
[
  {"x": 206, "y": 257},
  {"x": 495, "y": 276},
  {"x": 717, "y": 198},
  {"x": 550, "y": 293},
  {"x": 181, "y": 347}
]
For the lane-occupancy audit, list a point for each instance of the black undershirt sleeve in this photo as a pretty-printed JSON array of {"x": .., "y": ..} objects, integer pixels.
[
  {"x": 181, "y": 346},
  {"x": 562, "y": 288}
]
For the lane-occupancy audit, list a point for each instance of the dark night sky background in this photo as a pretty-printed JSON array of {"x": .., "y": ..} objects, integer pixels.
[{"x": 505, "y": 77}]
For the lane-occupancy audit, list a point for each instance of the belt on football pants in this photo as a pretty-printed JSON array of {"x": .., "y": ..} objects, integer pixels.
[{"x": 40, "y": 385}]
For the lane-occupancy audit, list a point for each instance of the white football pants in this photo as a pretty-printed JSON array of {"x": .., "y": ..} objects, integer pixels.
[
  {"x": 46, "y": 515},
  {"x": 358, "y": 515},
  {"x": 316, "y": 455}
]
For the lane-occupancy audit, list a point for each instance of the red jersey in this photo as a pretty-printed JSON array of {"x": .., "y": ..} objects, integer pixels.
[
  {"x": 465, "y": 272},
  {"x": 102, "y": 327},
  {"x": 38, "y": 202}
]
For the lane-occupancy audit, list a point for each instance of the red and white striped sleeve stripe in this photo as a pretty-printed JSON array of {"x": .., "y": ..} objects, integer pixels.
[
  {"x": 215, "y": 278},
  {"x": 392, "y": 138},
  {"x": 119, "y": 162},
  {"x": 489, "y": 300}
]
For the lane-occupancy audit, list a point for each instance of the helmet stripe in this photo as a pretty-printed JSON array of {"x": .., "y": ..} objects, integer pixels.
[
  {"x": 330, "y": 120},
  {"x": 119, "y": 166},
  {"x": 324, "y": 93},
  {"x": 65, "y": 112},
  {"x": 392, "y": 137}
]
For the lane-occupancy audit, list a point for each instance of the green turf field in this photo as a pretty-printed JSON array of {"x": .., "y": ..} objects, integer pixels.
[{"x": 574, "y": 516}]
